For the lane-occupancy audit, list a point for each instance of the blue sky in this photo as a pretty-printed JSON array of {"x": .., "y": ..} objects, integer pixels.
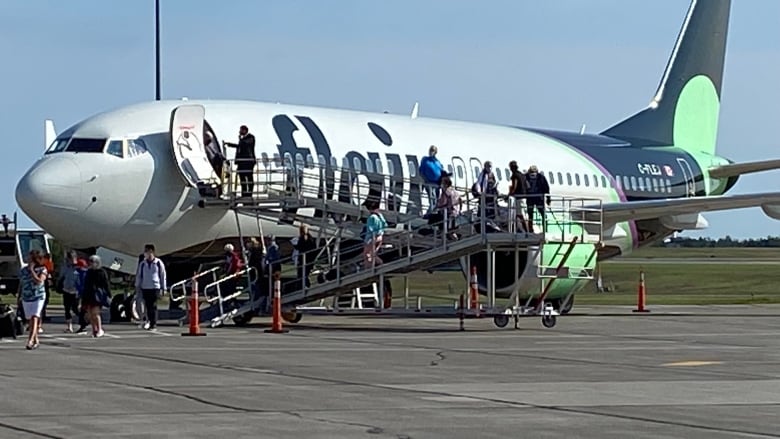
[{"x": 555, "y": 64}]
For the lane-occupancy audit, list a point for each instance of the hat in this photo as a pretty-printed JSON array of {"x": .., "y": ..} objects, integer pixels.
[
  {"x": 533, "y": 169},
  {"x": 228, "y": 247},
  {"x": 81, "y": 263}
]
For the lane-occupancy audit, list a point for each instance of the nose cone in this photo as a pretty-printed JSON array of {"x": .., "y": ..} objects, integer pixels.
[{"x": 53, "y": 184}]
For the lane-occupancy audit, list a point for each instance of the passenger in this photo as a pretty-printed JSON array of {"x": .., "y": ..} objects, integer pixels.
[
  {"x": 486, "y": 184},
  {"x": 449, "y": 202},
  {"x": 518, "y": 189},
  {"x": 96, "y": 295},
  {"x": 272, "y": 255},
  {"x": 81, "y": 272},
  {"x": 256, "y": 260},
  {"x": 68, "y": 281},
  {"x": 538, "y": 190},
  {"x": 245, "y": 160},
  {"x": 234, "y": 263},
  {"x": 49, "y": 264},
  {"x": 33, "y": 294},
  {"x": 151, "y": 279},
  {"x": 431, "y": 171},
  {"x": 214, "y": 154},
  {"x": 306, "y": 246},
  {"x": 372, "y": 237}
]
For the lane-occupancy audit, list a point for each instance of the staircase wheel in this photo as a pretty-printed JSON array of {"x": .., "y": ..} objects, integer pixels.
[{"x": 242, "y": 320}]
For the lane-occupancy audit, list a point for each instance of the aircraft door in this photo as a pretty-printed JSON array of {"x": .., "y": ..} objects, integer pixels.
[
  {"x": 187, "y": 144},
  {"x": 459, "y": 173},
  {"x": 690, "y": 184},
  {"x": 476, "y": 169}
]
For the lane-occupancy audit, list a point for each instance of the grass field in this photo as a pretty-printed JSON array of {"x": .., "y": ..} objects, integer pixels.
[{"x": 666, "y": 283}]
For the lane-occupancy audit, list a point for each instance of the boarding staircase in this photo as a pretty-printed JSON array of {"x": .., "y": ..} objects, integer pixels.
[{"x": 288, "y": 194}]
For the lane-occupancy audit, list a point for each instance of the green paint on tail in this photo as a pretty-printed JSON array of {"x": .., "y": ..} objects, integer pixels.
[{"x": 696, "y": 117}]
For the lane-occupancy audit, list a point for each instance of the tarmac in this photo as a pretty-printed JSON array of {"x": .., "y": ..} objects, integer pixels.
[{"x": 602, "y": 372}]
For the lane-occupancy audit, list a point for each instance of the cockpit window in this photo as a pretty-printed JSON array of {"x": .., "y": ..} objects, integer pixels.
[
  {"x": 135, "y": 147},
  {"x": 58, "y": 145},
  {"x": 86, "y": 145},
  {"x": 116, "y": 147}
]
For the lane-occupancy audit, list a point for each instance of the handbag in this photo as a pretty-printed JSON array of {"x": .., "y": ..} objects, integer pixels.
[{"x": 103, "y": 297}]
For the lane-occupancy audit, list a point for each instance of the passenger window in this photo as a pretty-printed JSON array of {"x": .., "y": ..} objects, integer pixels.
[
  {"x": 378, "y": 165},
  {"x": 568, "y": 178},
  {"x": 552, "y": 178},
  {"x": 560, "y": 178},
  {"x": 476, "y": 172},
  {"x": 412, "y": 169},
  {"x": 334, "y": 163},
  {"x": 356, "y": 164},
  {"x": 633, "y": 183},
  {"x": 116, "y": 148},
  {"x": 345, "y": 163},
  {"x": 288, "y": 160},
  {"x": 309, "y": 161},
  {"x": 460, "y": 172},
  {"x": 604, "y": 181},
  {"x": 299, "y": 160},
  {"x": 577, "y": 179},
  {"x": 265, "y": 159},
  {"x": 508, "y": 174},
  {"x": 618, "y": 183},
  {"x": 498, "y": 174},
  {"x": 369, "y": 166},
  {"x": 321, "y": 160},
  {"x": 655, "y": 185},
  {"x": 449, "y": 169},
  {"x": 648, "y": 184},
  {"x": 626, "y": 183},
  {"x": 668, "y": 186},
  {"x": 596, "y": 181},
  {"x": 587, "y": 180},
  {"x": 390, "y": 167}
]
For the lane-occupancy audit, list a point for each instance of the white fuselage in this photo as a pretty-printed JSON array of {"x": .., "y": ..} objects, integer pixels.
[{"x": 98, "y": 199}]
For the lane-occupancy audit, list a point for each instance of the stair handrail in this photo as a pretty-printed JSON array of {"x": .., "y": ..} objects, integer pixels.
[{"x": 184, "y": 283}]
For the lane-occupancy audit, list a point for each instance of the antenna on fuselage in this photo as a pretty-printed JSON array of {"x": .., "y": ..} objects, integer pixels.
[
  {"x": 582, "y": 129},
  {"x": 157, "y": 48}
]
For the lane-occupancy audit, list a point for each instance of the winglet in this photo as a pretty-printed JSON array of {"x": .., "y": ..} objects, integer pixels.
[
  {"x": 49, "y": 133},
  {"x": 415, "y": 110}
]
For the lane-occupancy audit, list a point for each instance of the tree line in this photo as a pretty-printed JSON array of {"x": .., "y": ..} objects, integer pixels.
[{"x": 725, "y": 242}]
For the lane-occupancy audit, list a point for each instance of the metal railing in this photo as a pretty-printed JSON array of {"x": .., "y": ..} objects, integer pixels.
[{"x": 185, "y": 283}]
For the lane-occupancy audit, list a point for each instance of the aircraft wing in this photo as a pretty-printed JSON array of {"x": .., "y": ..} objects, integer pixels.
[
  {"x": 735, "y": 169},
  {"x": 637, "y": 210}
]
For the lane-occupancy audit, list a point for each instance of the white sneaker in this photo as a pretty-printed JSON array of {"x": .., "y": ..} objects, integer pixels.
[
  {"x": 146, "y": 325},
  {"x": 99, "y": 334}
]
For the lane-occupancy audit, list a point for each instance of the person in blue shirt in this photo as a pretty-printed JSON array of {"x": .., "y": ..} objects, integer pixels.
[
  {"x": 431, "y": 171},
  {"x": 33, "y": 294},
  {"x": 372, "y": 235}
]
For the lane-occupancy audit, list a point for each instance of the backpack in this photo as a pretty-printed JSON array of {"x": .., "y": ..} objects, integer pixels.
[{"x": 364, "y": 230}]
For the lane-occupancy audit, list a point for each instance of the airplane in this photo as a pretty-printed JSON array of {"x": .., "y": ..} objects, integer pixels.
[{"x": 127, "y": 176}]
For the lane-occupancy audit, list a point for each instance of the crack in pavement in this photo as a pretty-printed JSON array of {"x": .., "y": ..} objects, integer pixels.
[{"x": 441, "y": 357}]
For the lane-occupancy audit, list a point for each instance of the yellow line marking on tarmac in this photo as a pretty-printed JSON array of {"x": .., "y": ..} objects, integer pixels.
[{"x": 692, "y": 363}]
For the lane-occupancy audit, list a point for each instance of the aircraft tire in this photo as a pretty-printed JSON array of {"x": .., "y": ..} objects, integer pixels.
[
  {"x": 549, "y": 321},
  {"x": 118, "y": 310},
  {"x": 501, "y": 321}
]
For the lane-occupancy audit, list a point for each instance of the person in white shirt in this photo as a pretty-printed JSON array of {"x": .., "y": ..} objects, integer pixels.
[{"x": 151, "y": 280}]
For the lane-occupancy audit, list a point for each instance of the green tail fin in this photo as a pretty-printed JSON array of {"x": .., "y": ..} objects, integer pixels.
[{"x": 684, "y": 111}]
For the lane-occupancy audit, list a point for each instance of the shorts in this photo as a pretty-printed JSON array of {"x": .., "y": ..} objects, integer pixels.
[{"x": 33, "y": 309}]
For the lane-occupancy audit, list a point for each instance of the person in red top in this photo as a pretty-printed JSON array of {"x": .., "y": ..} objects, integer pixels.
[
  {"x": 233, "y": 264},
  {"x": 47, "y": 262}
]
